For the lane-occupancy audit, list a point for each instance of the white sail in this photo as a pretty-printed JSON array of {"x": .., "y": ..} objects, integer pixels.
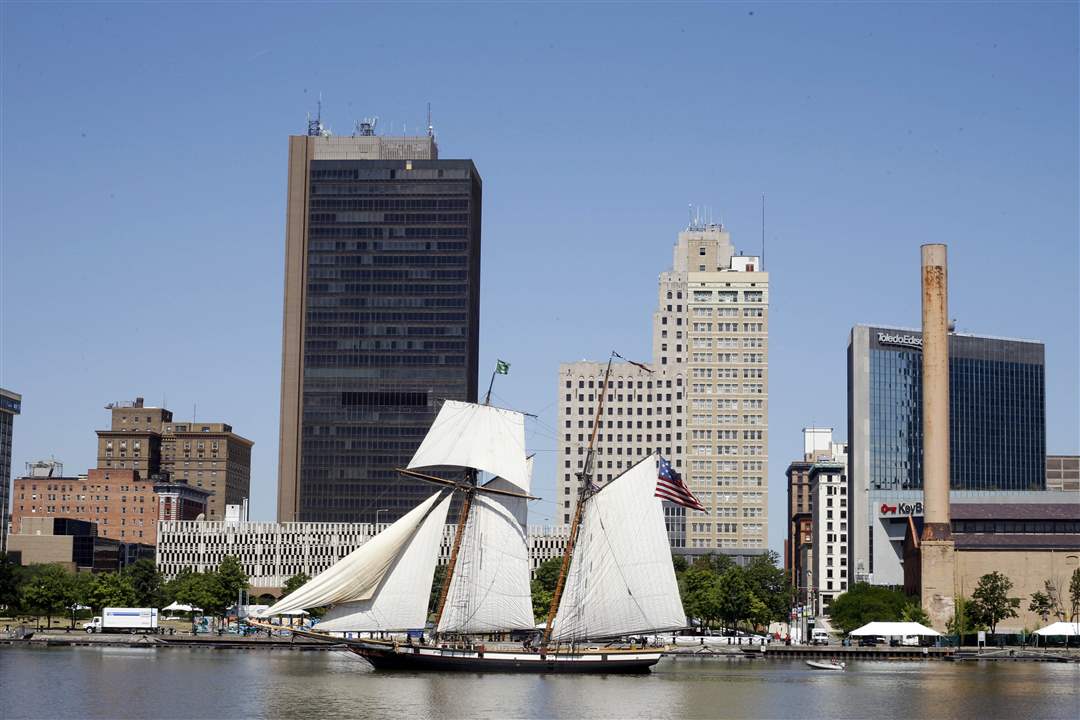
[
  {"x": 621, "y": 580},
  {"x": 476, "y": 436},
  {"x": 401, "y": 601},
  {"x": 490, "y": 589},
  {"x": 357, "y": 575}
]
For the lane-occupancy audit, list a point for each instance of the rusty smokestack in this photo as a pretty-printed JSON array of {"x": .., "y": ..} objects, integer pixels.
[{"x": 935, "y": 391}]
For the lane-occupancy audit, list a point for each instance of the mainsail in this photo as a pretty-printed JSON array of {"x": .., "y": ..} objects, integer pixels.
[
  {"x": 383, "y": 584},
  {"x": 479, "y": 437},
  {"x": 490, "y": 590},
  {"x": 621, "y": 580}
]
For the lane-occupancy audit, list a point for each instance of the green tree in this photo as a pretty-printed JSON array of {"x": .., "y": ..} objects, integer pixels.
[
  {"x": 111, "y": 589},
  {"x": 1041, "y": 605},
  {"x": 545, "y": 579},
  {"x": 963, "y": 620},
  {"x": 295, "y": 583},
  {"x": 769, "y": 585},
  {"x": 10, "y": 580},
  {"x": 437, "y": 581},
  {"x": 231, "y": 577},
  {"x": 700, "y": 588},
  {"x": 1074, "y": 595},
  {"x": 49, "y": 589},
  {"x": 147, "y": 583},
  {"x": 913, "y": 612},
  {"x": 991, "y": 601},
  {"x": 864, "y": 603},
  {"x": 735, "y": 598}
]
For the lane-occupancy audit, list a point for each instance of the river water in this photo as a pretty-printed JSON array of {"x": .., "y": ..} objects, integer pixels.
[{"x": 89, "y": 682}]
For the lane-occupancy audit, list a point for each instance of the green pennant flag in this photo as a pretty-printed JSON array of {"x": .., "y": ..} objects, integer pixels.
[{"x": 502, "y": 368}]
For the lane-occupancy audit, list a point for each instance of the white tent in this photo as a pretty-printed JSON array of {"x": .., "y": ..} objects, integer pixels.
[
  {"x": 894, "y": 629},
  {"x": 178, "y": 607},
  {"x": 1060, "y": 629}
]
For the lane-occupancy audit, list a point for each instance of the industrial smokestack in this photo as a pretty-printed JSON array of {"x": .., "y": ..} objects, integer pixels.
[{"x": 935, "y": 391}]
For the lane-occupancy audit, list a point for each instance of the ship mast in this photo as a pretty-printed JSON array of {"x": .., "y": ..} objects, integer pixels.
[
  {"x": 585, "y": 491},
  {"x": 466, "y": 505}
]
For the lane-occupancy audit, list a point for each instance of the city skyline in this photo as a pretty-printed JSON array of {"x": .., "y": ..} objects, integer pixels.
[{"x": 847, "y": 206}]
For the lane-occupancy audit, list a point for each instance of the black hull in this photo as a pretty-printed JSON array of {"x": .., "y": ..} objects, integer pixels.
[{"x": 391, "y": 659}]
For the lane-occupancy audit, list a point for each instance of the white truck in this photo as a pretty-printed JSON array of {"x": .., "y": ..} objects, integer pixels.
[{"x": 129, "y": 620}]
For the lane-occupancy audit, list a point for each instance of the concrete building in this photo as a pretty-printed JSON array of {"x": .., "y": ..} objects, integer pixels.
[
  {"x": 10, "y": 406},
  {"x": 121, "y": 504},
  {"x": 381, "y": 317},
  {"x": 830, "y": 509},
  {"x": 1063, "y": 473},
  {"x": 74, "y": 544},
  {"x": 704, "y": 406},
  {"x": 272, "y": 552},
  {"x": 818, "y": 446},
  {"x": 207, "y": 455},
  {"x": 996, "y": 428},
  {"x": 1030, "y": 543}
]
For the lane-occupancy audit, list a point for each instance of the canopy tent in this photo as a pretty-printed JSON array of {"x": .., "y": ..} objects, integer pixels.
[
  {"x": 1058, "y": 629},
  {"x": 894, "y": 629},
  {"x": 178, "y": 607}
]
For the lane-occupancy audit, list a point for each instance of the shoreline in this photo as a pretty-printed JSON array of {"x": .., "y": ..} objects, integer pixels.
[{"x": 767, "y": 652}]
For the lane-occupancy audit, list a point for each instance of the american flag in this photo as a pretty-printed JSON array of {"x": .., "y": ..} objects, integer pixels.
[{"x": 669, "y": 486}]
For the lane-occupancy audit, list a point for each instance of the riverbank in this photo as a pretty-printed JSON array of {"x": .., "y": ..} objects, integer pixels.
[{"x": 767, "y": 652}]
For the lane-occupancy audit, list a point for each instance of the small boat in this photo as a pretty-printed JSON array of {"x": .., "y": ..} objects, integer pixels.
[{"x": 818, "y": 665}]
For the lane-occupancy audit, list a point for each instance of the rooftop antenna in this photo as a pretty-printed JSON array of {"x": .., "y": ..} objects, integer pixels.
[
  {"x": 762, "y": 232},
  {"x": 430, "y": 127},
  {"x": 315, "y": 127}
]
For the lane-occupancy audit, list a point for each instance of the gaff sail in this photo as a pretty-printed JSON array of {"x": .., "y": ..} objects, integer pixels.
[
  {"x": 479, "y": 437},
  {"x": 490, "y": 589},
  {"x": 359, "y": 576},
  {"x": 621, "y": 580}
]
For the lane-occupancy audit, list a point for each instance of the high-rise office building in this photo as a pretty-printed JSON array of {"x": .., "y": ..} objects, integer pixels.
[
  {"x": 997, "y": 434},
  {"x": 10, "y": 406},
  {"x": 704, "y": 406},
  {"x": 381, "y": 317}
]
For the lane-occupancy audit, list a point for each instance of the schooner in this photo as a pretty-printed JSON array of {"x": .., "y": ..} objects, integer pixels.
[{"x": 616, "y": 580}]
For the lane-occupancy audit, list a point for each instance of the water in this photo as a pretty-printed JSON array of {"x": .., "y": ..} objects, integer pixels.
[{"x": 204, "y": 683}]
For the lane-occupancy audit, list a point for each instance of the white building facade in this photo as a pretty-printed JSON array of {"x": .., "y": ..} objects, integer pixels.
[
  {"x": 272, "y": 552},
  {"x": 704, "y": 406},
  {"x": 831, "y": 513}
]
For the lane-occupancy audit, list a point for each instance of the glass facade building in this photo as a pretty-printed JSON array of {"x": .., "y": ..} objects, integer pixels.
[
  {"x": 997, "y": 419},
  {"x": 10, "y": 406},
  {"x": 387, "y": 308}
]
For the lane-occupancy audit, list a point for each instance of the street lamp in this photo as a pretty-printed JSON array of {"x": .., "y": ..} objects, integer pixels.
[{"x": 382, "y": 510}]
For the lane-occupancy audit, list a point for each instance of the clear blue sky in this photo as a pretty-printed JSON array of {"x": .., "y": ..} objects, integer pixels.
[{"x": 144, "y": 158}]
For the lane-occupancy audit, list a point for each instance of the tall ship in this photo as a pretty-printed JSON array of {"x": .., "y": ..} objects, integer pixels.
[{"x": 616, "y": 580}]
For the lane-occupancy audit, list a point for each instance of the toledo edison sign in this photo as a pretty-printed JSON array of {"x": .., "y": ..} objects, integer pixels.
[
  {"x": 904, "y": 508},
  {"x": 905, "y": 339}
]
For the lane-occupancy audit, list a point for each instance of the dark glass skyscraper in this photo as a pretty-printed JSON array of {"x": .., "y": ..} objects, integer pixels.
[
  {"x": 997, "y": 416},
  {"x": 381, "y": 318}
]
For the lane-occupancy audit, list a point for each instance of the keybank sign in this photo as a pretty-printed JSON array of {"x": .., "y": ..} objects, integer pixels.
[{"x": 912, "y": 341}]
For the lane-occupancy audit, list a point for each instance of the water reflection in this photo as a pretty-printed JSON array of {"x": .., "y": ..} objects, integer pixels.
[{"x": 194, "y": 683}]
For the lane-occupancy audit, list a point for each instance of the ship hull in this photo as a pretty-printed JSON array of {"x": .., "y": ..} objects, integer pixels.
[{"x": 386, "y": 656}]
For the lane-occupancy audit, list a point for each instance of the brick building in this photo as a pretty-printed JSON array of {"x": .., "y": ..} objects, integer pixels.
[
  {"x": 207, "y": 455},
  {"x": 122, "y": 504}
]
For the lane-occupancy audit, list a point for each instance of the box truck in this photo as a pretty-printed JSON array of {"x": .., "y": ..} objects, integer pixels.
[{"x": 129, "y": 620}]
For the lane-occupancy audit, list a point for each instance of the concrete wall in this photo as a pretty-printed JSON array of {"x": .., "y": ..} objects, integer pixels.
[{"x": 1027, "y": 569}]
